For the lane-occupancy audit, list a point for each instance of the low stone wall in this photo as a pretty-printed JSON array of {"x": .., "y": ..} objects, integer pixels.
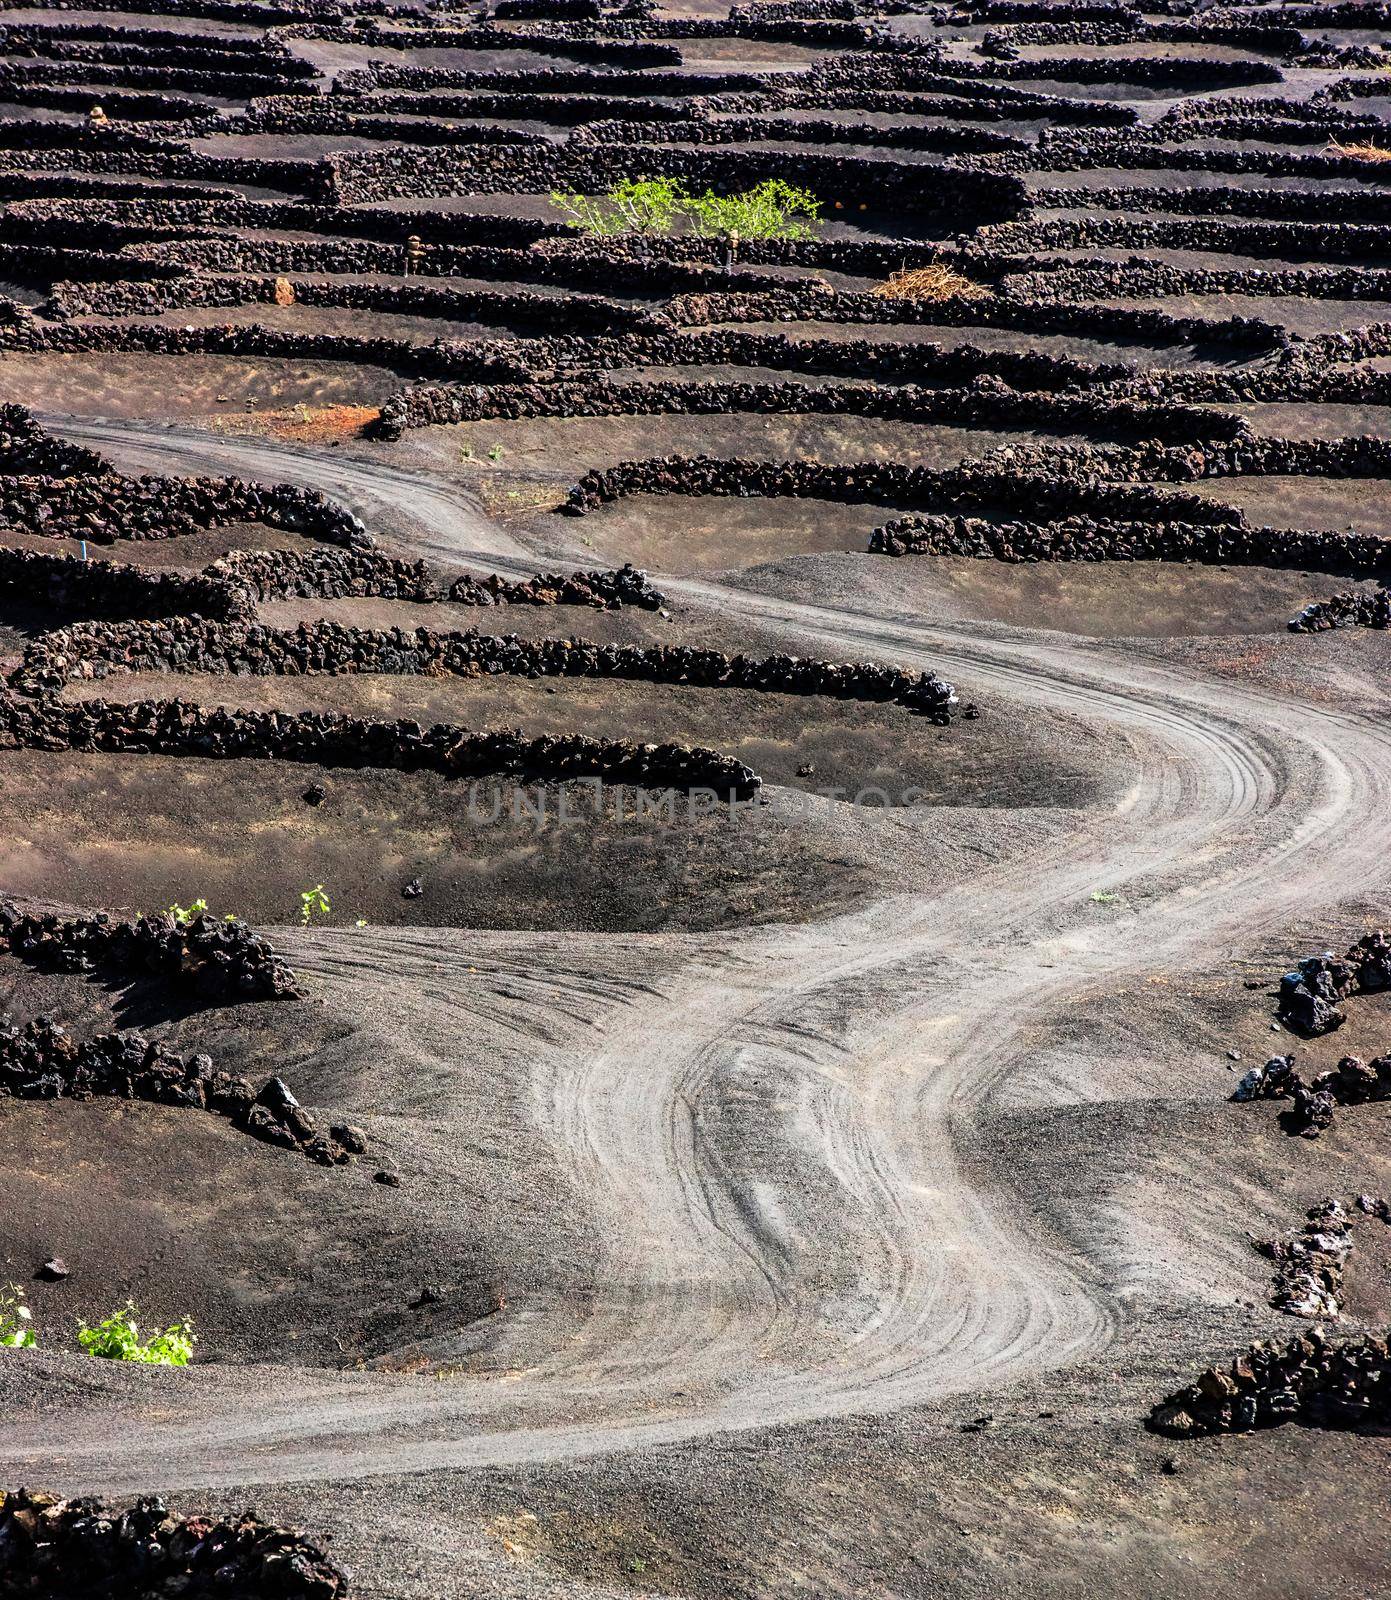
[
  {"x": 966, "y": 195},
  {"x": 1375, "y": 14},
  {"x": 27, "y": 185},
  {"x": 814, "y": 302},
  {"x": 219, "y": 959},
  {"x": 193, "y": 116},
  {"x": 867, "y": 359},
  {"x": 869, "y": 82},
  {"x": 549, "y": 80},
  {"x": 513, "y": 98},
  {"x": 1125, "y": 26},
  {"x": 1095, "y": 539},
  {"x": 1054, "y": 12},
  {"x": 234, "y": 78},
  {"x": 964, "y": 488},
  {"x": 140, "y": 225},
  {"x": 568, "y": 315},
  {"x": 616, "y": 53},
  {"x": 1141, "y": 154},
  {"x": 50, "y": 1546},
  {"x": 43, "y": 265},
  {"x": 1044, "y": 282},
  {"x": 1320, "y": 371},
  {"x": 938, "y": 94},
  {"x": 94, "y": 652},
  {"x": 564, "y": 10},
  {"x": 1284, "y": 206},
  {"x": 175, "y": 727},
  {"x": 560, "y": 260},
  {"x": 106, "y": 507},
  {"x": 112, "y": 589},
  {"x": 26, "y": 447},
  {"x": 1192, "y": 73},
  {"x": 258, "y": 13},
  {"x": 947, "y": 141},
  {"x": 66, "y": 159},
  {"x": 334, "y": 575},
  {"x": 988, "y": 402},
  {"x": 342, "y": 115},
  {"x": 42, "y": 1061},
  {"x": 230, "y": 588},
  {"x": 443, "y": 360},
  {"x": 20, "y": 38},
  {"x": 1311, "y": 1380},
  {"x": 1005, "y": 247}
]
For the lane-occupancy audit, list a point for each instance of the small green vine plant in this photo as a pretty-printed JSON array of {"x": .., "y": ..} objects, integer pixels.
[
  {"x": 313, "y": 903},
  {"x": 16, "y": 1320},
  {"x": 117, "y": 1338},
  {"x": 183, "y": 915}
]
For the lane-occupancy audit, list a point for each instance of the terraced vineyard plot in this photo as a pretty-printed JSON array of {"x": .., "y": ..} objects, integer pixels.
[{"x": 784, "y": 614}]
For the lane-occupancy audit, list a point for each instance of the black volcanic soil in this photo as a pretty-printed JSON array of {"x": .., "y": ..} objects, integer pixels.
[
  {"x": 162, "y": 387},
  {"x": 806, "y": 1200},
  {"x": 240, "y": 834}
]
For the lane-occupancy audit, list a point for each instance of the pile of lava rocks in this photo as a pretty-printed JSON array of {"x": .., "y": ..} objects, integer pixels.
[
  {"x": 1310, "y": 1265},
  {"x": 1312, "y": 1380},
  {"x": 1310, "y": 995},
  {"x": 86, "y": 1550},
  {"x": 1353, "y": 608},
  {"x": 1352, "y": 1082},
  {"x": 220, "y": 958},
  {"x": 42, "y": 1061}
]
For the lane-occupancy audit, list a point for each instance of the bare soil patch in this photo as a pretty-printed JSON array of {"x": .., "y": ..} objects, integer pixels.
[
  {"x": 179, "y": 388},
  {"x": 144, "y": 831},
  {"x": 690, "y": 533},
  {"x": 1315, "y": 503},
  {"x": 1121, "y": 599},
  {"x": 849, "y": 746}
]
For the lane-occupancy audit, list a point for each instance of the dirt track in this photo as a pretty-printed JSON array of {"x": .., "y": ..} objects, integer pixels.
[{"x": 776, "y": 1136}]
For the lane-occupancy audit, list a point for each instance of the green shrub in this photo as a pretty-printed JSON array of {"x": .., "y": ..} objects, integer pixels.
[
  {"x": 770, "y": 210},
  {"x": 118, "y": 1339},
  {"x": 637, "y": 205},
  {"x": 15, "y": 1318}
]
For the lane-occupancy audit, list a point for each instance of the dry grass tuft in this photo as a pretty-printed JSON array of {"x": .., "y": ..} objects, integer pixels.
[
  {"x": 1358, "y": 152},
  {"x": 930, "y": 283}
]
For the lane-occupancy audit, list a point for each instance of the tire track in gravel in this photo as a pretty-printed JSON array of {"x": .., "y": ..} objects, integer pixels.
[
  {"x": 772, "y": 1133},
  {"x": 440, "y": 519}
]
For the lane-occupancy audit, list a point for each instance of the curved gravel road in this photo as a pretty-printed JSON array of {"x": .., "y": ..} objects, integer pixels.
[{"x": 775, "y": 1131}]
